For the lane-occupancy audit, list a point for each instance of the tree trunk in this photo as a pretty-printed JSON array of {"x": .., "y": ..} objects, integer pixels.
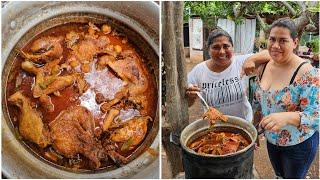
[
  {"x": 262, "y": 36},
  {"x": 175, "y": 72},
  {"x": 206, "y": 32}
]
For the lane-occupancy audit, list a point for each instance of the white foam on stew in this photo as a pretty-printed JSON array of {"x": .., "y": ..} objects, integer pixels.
[
  {"x": 104, "y": 82},
  {"x": 88, "y": 100},
  {"x": 128, "y": 114}
]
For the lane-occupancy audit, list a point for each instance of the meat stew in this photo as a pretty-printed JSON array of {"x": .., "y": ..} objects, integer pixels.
[
  {"x": 80, "y": 96},
  {"x": 216, "y": 142}
]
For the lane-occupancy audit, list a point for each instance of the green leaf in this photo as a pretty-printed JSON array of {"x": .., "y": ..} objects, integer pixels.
[
  {"x": 315, "y": 45},
  {"x": 314, "y": 9},
  {"x": 126, "y": 145},
  {"x": 43, "y": 85}
]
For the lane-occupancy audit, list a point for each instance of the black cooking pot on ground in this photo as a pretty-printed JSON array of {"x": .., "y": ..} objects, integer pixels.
[{"x": 235, "y": 165}]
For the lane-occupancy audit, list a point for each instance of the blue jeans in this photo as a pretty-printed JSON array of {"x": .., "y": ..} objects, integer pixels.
[{"x": 293, "y": 161}]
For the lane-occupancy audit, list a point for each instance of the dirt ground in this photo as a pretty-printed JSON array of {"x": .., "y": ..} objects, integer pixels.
[{"x": 262, "y": 165}]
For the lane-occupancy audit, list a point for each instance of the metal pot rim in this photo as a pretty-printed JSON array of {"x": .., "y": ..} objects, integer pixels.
[{"x": 218, "y": 124}]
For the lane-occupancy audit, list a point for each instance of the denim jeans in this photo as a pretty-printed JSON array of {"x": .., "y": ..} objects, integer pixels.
[{"x": 293, "y": 161}]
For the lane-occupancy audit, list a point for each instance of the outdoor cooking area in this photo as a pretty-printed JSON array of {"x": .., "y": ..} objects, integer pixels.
[{"x": 262, "y": 168}]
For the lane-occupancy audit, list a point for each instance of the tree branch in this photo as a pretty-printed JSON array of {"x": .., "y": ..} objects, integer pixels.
[
  {"x": 315, "y": 20},
  {"x": 289, "y": 7},
  {"x": 311, "y": 28},
  {"x": 302, "y": 6},
  {"x": 242, "y": 9},
  {"x": 235, "y": 11},
  {"x": 303, "y": 20},
  {"x": 262, "y": 23}
]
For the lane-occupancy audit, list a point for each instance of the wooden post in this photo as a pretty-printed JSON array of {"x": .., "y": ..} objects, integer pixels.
[
  {"x": 206, "y": 32},
  {"x": 176, "y": 117}
]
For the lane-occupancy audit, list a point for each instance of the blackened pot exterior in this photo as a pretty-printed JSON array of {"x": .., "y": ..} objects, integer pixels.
[{"x": 200, "y": 167}]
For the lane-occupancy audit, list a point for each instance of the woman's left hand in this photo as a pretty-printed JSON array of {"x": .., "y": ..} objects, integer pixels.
[
  {"x": 275, "y": 121},
  {"x": 248, "y": 68}
]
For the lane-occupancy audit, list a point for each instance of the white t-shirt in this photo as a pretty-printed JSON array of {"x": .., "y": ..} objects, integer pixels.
[{"x": 225, "y": 90}]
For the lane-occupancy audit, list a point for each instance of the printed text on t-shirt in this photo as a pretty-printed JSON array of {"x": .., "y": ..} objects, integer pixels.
[{"x": 223, "y": 93}]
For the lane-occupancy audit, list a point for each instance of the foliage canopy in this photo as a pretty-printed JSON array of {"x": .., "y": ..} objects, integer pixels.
[{"x": 238, "y": 11}]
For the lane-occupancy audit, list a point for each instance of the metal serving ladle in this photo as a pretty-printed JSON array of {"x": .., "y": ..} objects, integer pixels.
[
  {"x": 175, "y": 137},
  {"x": 259, "y": 129},
  {"x": 204, "y": 101}
]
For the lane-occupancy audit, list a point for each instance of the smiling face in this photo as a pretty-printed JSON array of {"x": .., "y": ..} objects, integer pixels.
[
  {"x": 281, "y": 44},
  {"x": 221, "y": 51}
]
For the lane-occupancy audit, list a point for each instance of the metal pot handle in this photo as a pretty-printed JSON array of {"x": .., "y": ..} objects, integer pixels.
[
  {"x": 175, "y": 138},
  {"x": 260, "y": 131}
]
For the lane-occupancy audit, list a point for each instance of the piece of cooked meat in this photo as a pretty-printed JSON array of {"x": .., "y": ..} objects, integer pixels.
[
  {"x": 73, "y": 133},
  {"x": 81, "y": 83},
  {"x": 47, "y": 80},
  {"x": 197, "y": 144},
  {"x": 45, "y": 49},
  {"x": 132, "y": 132},
  {"x": 109, "y": 119},
  {"x": 122, "y": 93},
  {"x": 141, "y": 102},
  {"x": 51, "y": 84},
  {"x": 72, "y": 38},
  {"x": 30, "y": 67},
  {"x": 92, "y": 29},
  {"x": 102, "y": 61},
  {"x": 46, "y": 103},
  {"x": 100, "y": 98},
  {"x": 130, "y": 70},
  {"x": 85, "y": 50},
  {"x": 31, "y": 126},
  {"x": 214, "y": 115},
  {"x": 106, "y": 29},
  {"x": 47, "y": 69},
  {"x": 117, "y": 158},
  {"x": 60, "y": 83},
  {"x": 127, "y": 68},
  {"x": 52, "y": 67},
  {"x": 230, "y": 147},
  {"x": 110, "y": 151}
]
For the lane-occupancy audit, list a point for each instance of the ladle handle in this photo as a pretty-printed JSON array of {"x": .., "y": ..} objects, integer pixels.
[
  {"x": 260, "y": 131},
  {"x": 204, "y": 101}
]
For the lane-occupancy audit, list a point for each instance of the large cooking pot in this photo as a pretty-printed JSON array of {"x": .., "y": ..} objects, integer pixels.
[
  {"x": 236, "y": 165},
  {"x": 23, "y": 20}
]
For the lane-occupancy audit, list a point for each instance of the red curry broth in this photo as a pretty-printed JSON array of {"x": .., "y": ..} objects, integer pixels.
[{"x": 69, "y": 96}]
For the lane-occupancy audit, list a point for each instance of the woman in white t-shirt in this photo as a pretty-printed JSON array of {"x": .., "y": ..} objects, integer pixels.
[{"x": 218, "y": 79}]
